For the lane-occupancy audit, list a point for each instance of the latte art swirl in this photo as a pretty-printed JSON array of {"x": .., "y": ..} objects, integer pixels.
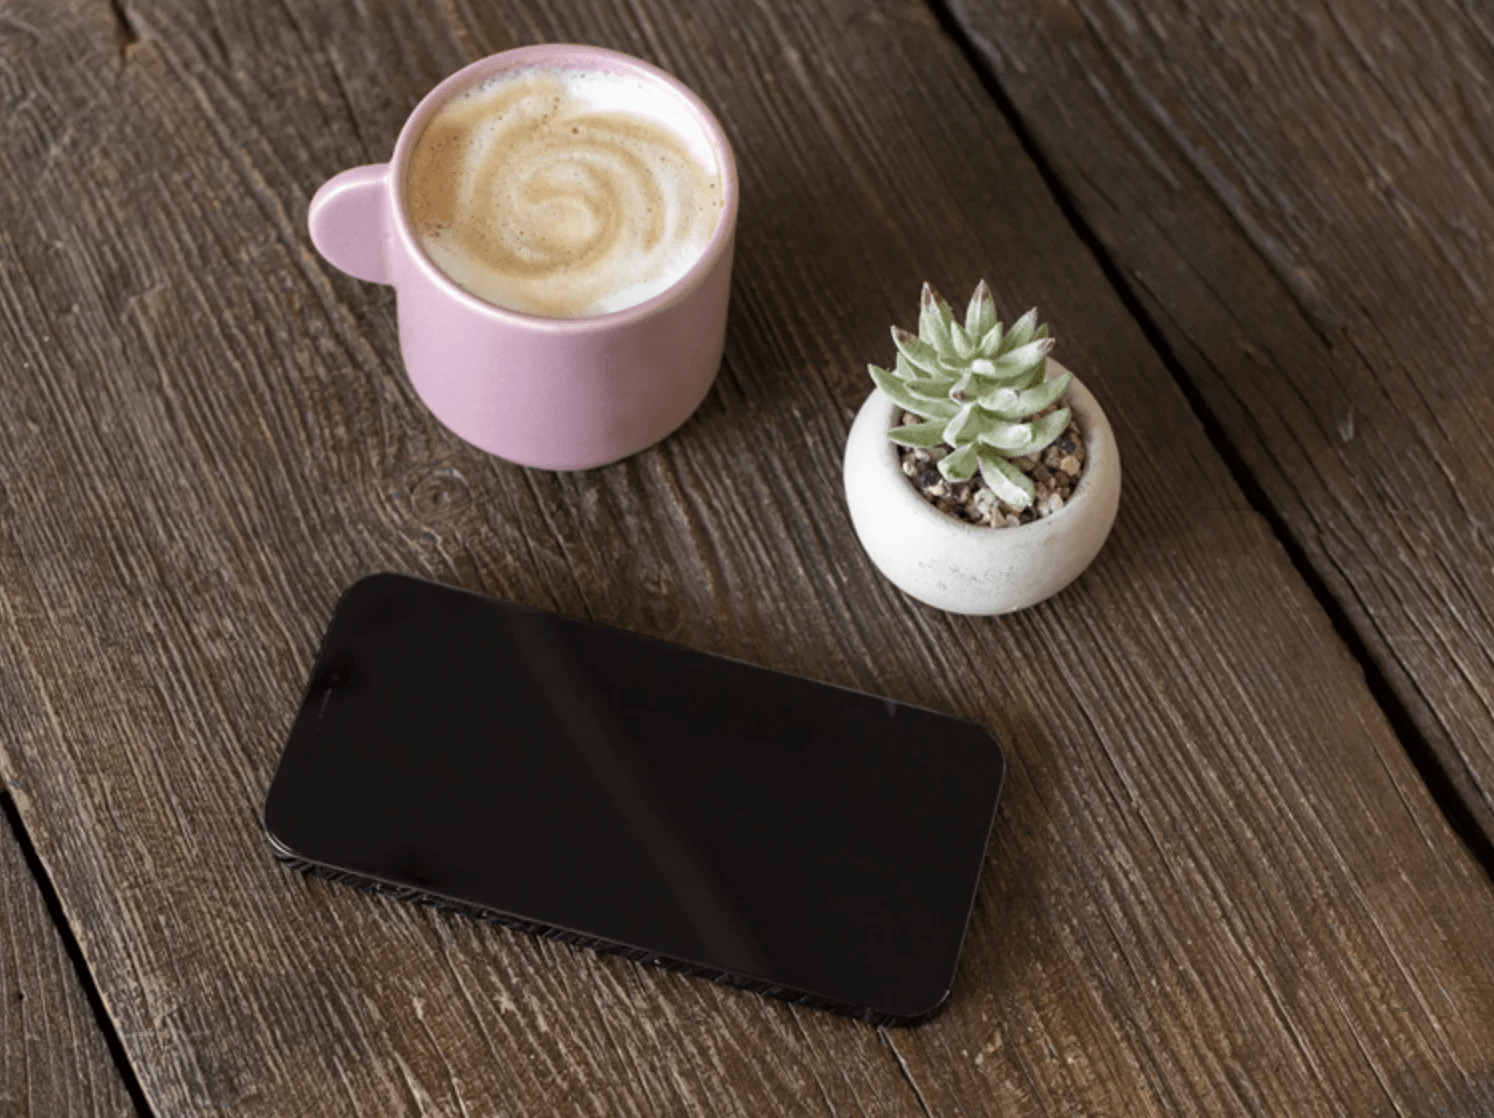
[{"x": 534, "y": 194}]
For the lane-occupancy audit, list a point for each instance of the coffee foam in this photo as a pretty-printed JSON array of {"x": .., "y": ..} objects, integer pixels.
[{"x": 564, "y": 193}]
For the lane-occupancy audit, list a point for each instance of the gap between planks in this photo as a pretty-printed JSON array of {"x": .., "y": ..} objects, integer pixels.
[
  {"x": 1417, "y": 749},
  {"x": 902, "y": 1066},
  {"x": 50, "y": 898}
]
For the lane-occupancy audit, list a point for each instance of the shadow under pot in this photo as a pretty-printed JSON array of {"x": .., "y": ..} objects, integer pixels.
[{"x": 973, "y": 568}]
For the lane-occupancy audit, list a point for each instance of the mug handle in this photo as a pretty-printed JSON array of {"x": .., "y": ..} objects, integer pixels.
[{"x": 348, "y": 225}]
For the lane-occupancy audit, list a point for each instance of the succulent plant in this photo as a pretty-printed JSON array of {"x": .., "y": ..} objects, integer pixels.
[{"x": 979, "y": 390}]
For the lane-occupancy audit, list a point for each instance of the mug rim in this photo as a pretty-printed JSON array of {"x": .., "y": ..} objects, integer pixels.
[{"x": 559, "y": 56}]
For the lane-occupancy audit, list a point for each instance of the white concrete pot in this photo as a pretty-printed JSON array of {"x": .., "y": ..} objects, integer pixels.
[{"x": 972, "y": 568}]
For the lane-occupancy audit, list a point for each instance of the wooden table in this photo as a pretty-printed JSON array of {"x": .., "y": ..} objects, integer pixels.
[{"x": 1243, "y": 861}]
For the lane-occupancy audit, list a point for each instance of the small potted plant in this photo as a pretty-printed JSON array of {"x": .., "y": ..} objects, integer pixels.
[{"x": 982, "y": 477}]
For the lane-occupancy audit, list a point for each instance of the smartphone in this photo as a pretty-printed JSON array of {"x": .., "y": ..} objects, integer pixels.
[{"x": 622, "y": 793}]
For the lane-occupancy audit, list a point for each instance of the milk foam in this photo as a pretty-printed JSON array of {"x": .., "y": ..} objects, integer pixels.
[{"x": 564, "y": 193}]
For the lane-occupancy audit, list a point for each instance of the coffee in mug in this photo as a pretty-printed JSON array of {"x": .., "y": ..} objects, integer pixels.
[
  {"x": 564, "y": 193},
  {"x": 561, "y": 266}
]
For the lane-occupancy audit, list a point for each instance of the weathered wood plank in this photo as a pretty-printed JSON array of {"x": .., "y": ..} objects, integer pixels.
[
  {"x": 1217, "y": 884},
  {"x": 1304, "y": 201},
  {"x": 54, "y": 1061}
]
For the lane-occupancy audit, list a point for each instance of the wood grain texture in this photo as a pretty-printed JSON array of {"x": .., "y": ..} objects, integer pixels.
[
  {"x": 54, "y": 1062},
  {"x": 1303, "y": 198},
  {"x": 1216, "y": 884}
]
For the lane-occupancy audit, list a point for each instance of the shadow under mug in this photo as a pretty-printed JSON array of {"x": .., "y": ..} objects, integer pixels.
[{"x": 554, "y": 393}]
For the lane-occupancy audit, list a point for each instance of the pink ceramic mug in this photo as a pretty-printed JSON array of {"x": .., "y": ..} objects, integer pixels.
[{"x": 556, "y": 393}]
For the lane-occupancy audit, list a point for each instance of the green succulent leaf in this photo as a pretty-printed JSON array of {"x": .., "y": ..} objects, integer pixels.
[
  {"x": 1010, "y": 439},
  {"x": 960, "y": 388},
  {"x": 1018, "y": 365},
  {"x": 962, "y": 372},
  {"x": 991, "y": 344},
  {"x": 898, "y": 391},
  {"x": 980, "y": 315},
  {"x": 963, "y": 346},
  {"x": 919, "y": 353},
  {"x": 964, "y": 427},
  {"x": 910, "y": 399},
  {"x": 936, "y": 389},
  {"x": 935, "y": 317},
  {"x": 918, "y": 434},
  {"x": 1047, "y": 392},
  {"x": 936, "y": 407},
  {"x": 922, "y": 379},
  {"x": 1005, "y": 480},
  {"x": 1011, "y": 404},
  {"x": 967, "y": 425},
  {"x": 1041, "y": 433},
  {"x": 1023, "y": 331},
  {"x": 1004, "y": 402},
  {"x": 961, "y": 465}
]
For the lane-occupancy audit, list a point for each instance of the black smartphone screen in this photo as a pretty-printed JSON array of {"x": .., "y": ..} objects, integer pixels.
[{"x": 613, "y": 790}]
